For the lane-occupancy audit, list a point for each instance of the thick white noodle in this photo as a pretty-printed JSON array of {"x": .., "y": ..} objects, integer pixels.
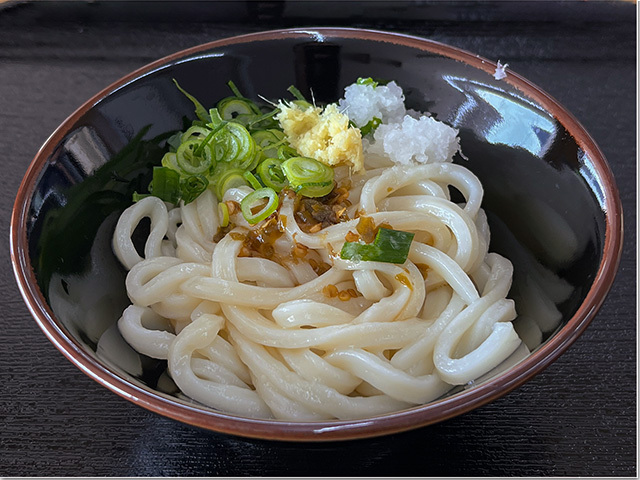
[
  {"x": 264, "y": 337},
  {"x": 149, "y": 207},
  {"x": 146, "y": 331},
  {"x": 231, "y": 398}
]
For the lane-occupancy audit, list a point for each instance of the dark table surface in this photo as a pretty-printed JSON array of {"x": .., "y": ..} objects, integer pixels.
[{"x": 577, "y": 418}]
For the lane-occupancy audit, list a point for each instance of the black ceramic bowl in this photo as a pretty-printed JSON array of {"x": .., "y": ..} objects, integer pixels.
[{"x": 550, "y": 196}]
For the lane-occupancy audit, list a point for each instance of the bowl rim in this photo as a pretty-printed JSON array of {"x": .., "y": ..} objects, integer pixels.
[{"x": 394, "y": 422}]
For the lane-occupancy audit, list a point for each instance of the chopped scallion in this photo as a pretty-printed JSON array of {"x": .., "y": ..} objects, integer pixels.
[
  {"x": 234, "y": 89},
  {"x": 230, "y": 178},
  {"x": 253, "y": 181},
  {"x": 370, "y": 126},
  {"x": 192, "y": 186},
  {"x": 297, "y": 93},
  {"x": 271, "y": 174},
  {"x": 170, "y": 161},
  {"x": 201, "y": 113},
  {"x": 232, "y": 107},
  {"x": 190, "y": 162},
  {"x": 223, "y": 212},
  {"x": 194, "y": 132},
  {"x": 390, "y": 246},
  {"x": 268, "y": 140},
  {"x": 314, "y": 189},
  {"x": 174, "y": 141},
  {"x": 285, "y": 152},
  {"x": 367, "y": 81},
  {"x": 308, "y": 176},
  {"x": 256, "y": 200},
  {"x": 139, "y": 196},
  {"x": 165, "y": 185},
  {"x": 216, "y": 119},
  {"x": 266, "y": 116}
]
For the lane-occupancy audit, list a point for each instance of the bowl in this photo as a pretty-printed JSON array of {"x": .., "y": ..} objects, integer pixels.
[{"x": 550, "y": 198}]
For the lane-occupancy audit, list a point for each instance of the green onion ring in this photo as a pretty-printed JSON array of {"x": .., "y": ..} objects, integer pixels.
[
  {"x": 271, "y": 174},
  {"x": 189, "y": 162},
  {"x": 194, "y": 132},
  {"x": 253, "y": 181},
  {"x": 192, "y": 186},
  {"x": 230, "y": 178},
  {"x": 252, "y": 200},
  {"x": 230, "y": 107},
  {"x": 308, "y": 176},
  {"x": 223, "y": 212},
  {"x": 170, "y": 161}
]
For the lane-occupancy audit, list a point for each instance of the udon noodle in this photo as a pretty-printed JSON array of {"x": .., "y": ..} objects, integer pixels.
[{"x": 278, "y": 337}]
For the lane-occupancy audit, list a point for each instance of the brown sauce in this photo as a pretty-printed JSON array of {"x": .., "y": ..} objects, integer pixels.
[
  {"x": 314, "y": 214},
  {"x": 404, "y": 280},
  {"x": 424, "y": 269},
  {"x": 259, "y": 242},
  {"x": 311, "y": 214}
]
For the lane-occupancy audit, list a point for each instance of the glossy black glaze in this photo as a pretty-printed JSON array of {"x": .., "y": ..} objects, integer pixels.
[{"x": 543, "y": 202}]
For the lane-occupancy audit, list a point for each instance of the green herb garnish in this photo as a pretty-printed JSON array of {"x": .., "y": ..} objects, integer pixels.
[{"x": 390, "y": 246}]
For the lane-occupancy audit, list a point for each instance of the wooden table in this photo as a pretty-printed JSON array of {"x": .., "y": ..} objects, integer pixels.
[{"x": 576, "y": 418}]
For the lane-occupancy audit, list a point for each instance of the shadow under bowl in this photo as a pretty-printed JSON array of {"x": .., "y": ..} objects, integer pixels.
[{"x": 550, "y": 197}]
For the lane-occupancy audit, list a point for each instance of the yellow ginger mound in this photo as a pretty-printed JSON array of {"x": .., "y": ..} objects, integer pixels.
[{"x": 323, "y": 135}]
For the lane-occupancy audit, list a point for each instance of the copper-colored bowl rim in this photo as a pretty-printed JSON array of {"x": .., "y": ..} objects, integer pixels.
[{"x": 328, "y": 430}]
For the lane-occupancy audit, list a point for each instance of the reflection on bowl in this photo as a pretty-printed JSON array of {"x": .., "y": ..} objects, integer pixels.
[{"x": 550, "y": 198}]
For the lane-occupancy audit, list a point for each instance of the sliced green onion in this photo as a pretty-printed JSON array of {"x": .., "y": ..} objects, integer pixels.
[
  {"x": 308, "y": 176},
  {"x": 264, "y": 138},
  {"x": 234, "y": 89},
  {"x": 390, "y": 246},
  {"x": 234, "y": 144},
  {"x": 204, "y": 143},
  {"x": 174, "y": 141},
  {"x": 314, "y": 189},
  {"x": 230, "y": 178},
  {"x": 169, "y": 160},
  {"x": 216, "y": 119},
  {"x": 194, "y": 133},
  {"x": 370, "y": 126},
  {"x": 257, "y": 157},
  {"x": 254, "y": 200},
  {"x": 263, "y": 117},
  {"x": 297, "y": 93},
  {"x": 286, "y": 151},
  {"x": 225, "y": 147},
  {"x": 191, "y": 163},
  {"x": 136, "y": 197},
  {"x": 271, "y": 174},
  {"x": 371, "y": 81},
  {"x": 230, "y": 107},
  {"x": 223, "y": 213},
  {"x": 300, "y": 100},
  {"x": 200, "y": 111},
  {"x": 394, "y": 243},
  {"x": 165, "y": 185},
  {"x": 253, "y": 181},
  {"x": 268, "y": 141},
  {"x": 244, "y": 119},
  {"x": 302, "y": 103},
  {"x": 191, "y": 187},
  {"x": 367, "y": 81},
  {"x": 246, "y": 144}
]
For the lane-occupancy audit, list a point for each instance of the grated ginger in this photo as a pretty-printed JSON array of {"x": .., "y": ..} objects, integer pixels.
[{"x": 323, "y": 135}]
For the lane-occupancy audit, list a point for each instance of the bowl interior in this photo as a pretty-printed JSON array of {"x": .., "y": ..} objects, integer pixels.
[{"x": 543, "y": 197}]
